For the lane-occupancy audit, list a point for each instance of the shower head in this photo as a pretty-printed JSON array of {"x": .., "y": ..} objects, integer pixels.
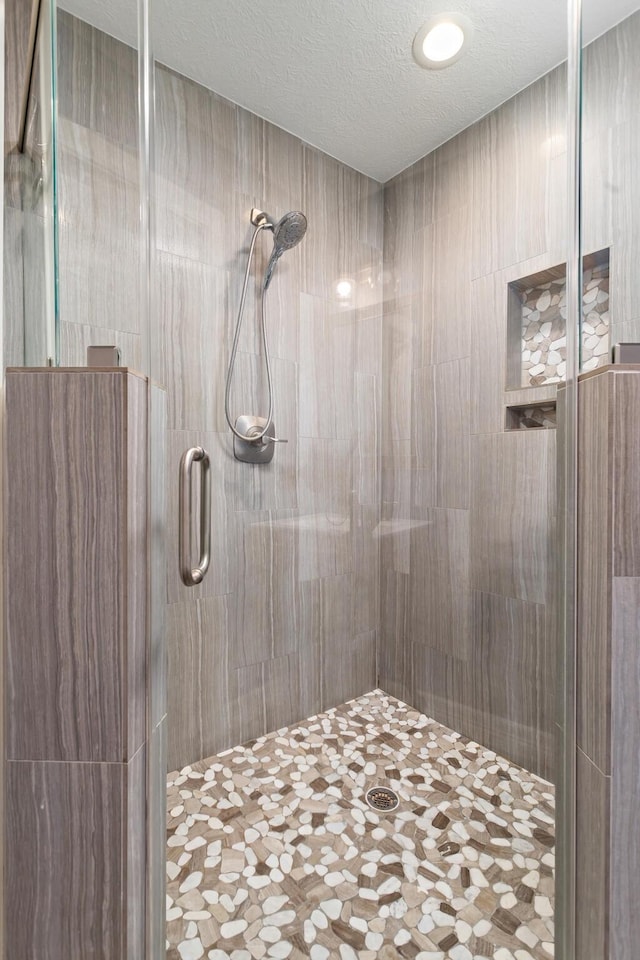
[{"x": 287, "y": 233}]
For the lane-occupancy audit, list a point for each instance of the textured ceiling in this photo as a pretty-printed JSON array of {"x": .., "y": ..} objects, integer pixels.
[{"x": 339, "y": 74}]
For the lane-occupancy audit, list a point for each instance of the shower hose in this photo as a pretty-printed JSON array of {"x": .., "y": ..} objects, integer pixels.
[{"x": 257, "y": 437}]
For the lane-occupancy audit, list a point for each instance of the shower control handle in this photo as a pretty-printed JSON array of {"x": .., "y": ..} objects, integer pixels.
[
  {"x": 273, "y": 440},
  {"x": 192, "y": 576}
]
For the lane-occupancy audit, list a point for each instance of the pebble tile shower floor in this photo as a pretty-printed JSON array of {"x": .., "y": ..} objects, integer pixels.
[{"x": 273, "y": 851}]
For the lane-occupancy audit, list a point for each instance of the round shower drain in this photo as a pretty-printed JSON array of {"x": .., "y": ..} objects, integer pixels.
[{"x": 381, "y": 798}]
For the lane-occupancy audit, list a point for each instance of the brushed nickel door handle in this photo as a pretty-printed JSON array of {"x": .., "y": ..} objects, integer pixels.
[{"x": 193, "y": 575}]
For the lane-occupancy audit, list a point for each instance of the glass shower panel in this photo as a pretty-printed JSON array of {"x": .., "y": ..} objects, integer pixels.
[
  {"x": 395, "y": 576},
  {"x": 30, "y": 222},
  {"x": 102, "y": 189},
  {"x": 608, "y": 597}
]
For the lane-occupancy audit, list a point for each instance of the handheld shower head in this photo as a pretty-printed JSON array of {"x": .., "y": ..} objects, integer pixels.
[{"x": 287, "y": 233}]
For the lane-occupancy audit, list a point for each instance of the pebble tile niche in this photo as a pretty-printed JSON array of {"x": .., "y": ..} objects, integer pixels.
[
  {"x": 273, "y": 851},
  {"x": 542, "y": 315}
]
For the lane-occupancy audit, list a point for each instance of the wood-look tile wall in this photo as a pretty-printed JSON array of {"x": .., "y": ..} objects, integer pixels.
[
  {"x": 467, "y": 565},
  {"x": 76, "y": 678},
  {"x": 248, "y": 650},
  {"x": 471, "y": 507},
  {"x": 285, "y": 623},
  {"x": 608, "y": 659}
]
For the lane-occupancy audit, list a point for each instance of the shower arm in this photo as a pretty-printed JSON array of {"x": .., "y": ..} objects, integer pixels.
[{"x": 257, "y": 436}]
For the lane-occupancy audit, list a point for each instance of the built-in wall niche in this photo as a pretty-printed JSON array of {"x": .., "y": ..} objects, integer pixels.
[
  {"x": 523, "y": 417},
  {"x": 537, "y": 323}
]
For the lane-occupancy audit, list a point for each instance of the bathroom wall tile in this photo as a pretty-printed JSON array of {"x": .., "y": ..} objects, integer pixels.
[
  {"x": 13, "y": 288},
  {"x": 397, "y": 343},
  {"x": 365, "y": 540},
  {"x": 453, "y": 173},
  {"x": 265, "y": 588},
  {"x": 611, "y": 70},
  {"x": 439, "y": 593},
  {"x": 625, "y": 779},
  {"x": 62, "y": 815},
  {"x": 157, "y": 661},
  {"x": 112, "y": 301},
  {"x": 135, "y": 587},
  {"x": 592, "y": 843},
  {"x": 395, "y": 649},
  {"x": 134, "y": 830},
  {"x": 199, "y": 639},
  {"x": 511, "y": 519},
  {"x": 366, "y": 454},
  {"x": 488, "y": 354},
  {"x": 441, "y": 686},
  {"x": 17, "y": 29},
  {"x": 281, "y": 692},
  {"x": 157, "y": 821},
  {"x": 76, "y": 337},
  {"x": 350, "y": 665},
  {"x": 409, "y": 201},
  {"x": 97, "y": 81},
  {"x": 626, "y": 516},
  {"x": 99, "y": 188},
  {"x": 195, "y": 152},
  {"x": 452, "y": 287},
  {"x": 424, "y": 427},
  {"x": 326, "y": 387},
  {"x": 593, "y": 588},
  {"x": 325, "y": 478},
  {"x": 283, "y": 169},
  {"x": 38, "y": 322},
  {"x": 453, "y": 411},
  {"x": 267, "y": 695},
  {"x": 510, "y": 178},
  {"x": 514, "y": 667},
  {"x": 196, "y": 353}
]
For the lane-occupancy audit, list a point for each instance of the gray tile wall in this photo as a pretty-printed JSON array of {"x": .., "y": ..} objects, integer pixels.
[
  {"x": 285, "y": 624},
  {"x": 467, "y": 565},
  {"x": 245, "y": 655},
  {"x": 471, "y": 509}
]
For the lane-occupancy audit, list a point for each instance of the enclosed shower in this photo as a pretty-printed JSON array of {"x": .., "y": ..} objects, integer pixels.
[{"x": 320, "y": 626}]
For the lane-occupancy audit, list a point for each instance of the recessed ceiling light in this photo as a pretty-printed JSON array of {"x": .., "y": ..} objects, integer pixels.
[
  {"x": 344, "y": 289},
  {"x": 442, "y": 40}
]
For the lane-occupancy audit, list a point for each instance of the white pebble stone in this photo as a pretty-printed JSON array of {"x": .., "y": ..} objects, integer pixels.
[
  {"x": 527, "y": 936},
  {"x": 333, "y": 908},
  {"x": 319, "y": 920},
  {"x": 273, "y": 905},
  {"x": 402, "y": 936},
  {"x": 319, "y": 953},
  {"x": 280, "y": 950},
  {"x": 269, "y": 934},
  {"x": 333, "y": 879},
  {"x": 390, "y": 885},
  {"x": 233, "y": 929},
  {"x": 192, "y": 881},
  {"x": 373, "y": 941},
  {"x": 347, "y": 952},
  {"x": 191, "y": 950},
  {"x": 283, "y": 918}
]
